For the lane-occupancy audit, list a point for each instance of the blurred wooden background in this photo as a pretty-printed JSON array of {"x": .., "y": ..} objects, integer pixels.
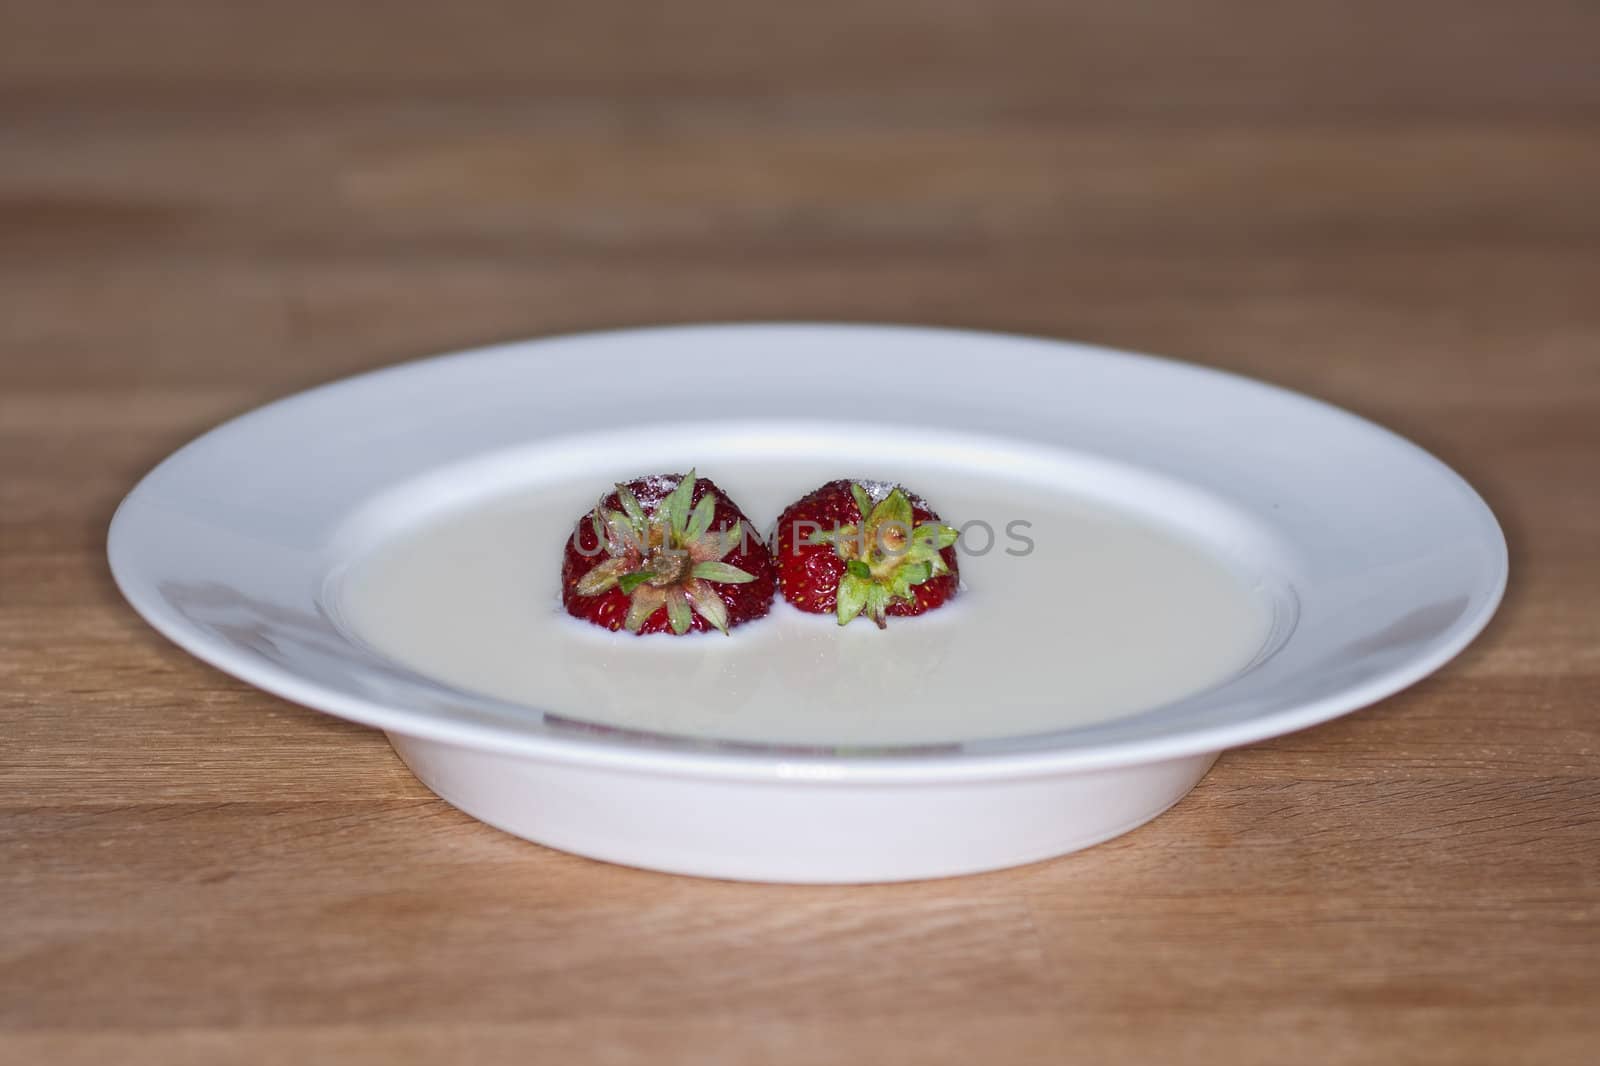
[{"x": 203, "y": 206}]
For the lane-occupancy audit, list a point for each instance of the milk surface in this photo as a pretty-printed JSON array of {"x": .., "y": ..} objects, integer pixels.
[{"x": 1071, "y": 612}]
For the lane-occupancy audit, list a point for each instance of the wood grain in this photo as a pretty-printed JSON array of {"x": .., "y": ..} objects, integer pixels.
[{"x": 205, "y": 206}]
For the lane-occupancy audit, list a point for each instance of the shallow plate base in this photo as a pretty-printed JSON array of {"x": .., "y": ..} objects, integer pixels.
[{"x": 800, "y": 831}]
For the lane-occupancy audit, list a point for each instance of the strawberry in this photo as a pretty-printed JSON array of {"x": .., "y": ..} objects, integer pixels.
[
  {"x": 666, "y": 554},
  {"x": 864, "y": 548}
]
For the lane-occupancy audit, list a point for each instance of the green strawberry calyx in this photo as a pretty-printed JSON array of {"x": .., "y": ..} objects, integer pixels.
[
  {"x": 666, "y": 557},
  {"x": 886, "y": 555}
]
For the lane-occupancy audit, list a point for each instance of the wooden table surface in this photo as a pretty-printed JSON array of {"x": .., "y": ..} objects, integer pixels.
[{"x": 204, "y": 206}]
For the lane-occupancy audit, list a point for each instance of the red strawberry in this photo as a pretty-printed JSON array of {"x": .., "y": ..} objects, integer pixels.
[
  {"x": 864, "y": 548},
  {"x": 666, "y": 554}
]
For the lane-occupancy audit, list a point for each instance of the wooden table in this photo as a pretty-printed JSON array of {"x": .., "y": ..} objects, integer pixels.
[{"x": 1395, "y": 207}]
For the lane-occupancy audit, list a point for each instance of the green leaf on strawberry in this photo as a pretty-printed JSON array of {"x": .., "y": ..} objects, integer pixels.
[
  {"x": 668, "y": 559},
  {"x": 886, "y": 557}
]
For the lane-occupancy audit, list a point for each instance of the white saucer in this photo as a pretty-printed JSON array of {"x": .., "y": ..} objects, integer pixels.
[{"x": 1379, "y": 562}]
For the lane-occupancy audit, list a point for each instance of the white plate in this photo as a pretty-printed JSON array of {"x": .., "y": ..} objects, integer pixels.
[{"x": 1379, "y": 564}]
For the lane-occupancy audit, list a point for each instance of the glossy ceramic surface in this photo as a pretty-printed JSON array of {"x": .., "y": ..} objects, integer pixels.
[{"x": 1379, "y": 564}]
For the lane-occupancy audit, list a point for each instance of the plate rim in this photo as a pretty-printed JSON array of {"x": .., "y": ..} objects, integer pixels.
[{"x": 694, "y": 758}]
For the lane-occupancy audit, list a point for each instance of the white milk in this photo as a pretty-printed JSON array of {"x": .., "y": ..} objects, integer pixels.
[{"x": 1108, "y": 614}]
